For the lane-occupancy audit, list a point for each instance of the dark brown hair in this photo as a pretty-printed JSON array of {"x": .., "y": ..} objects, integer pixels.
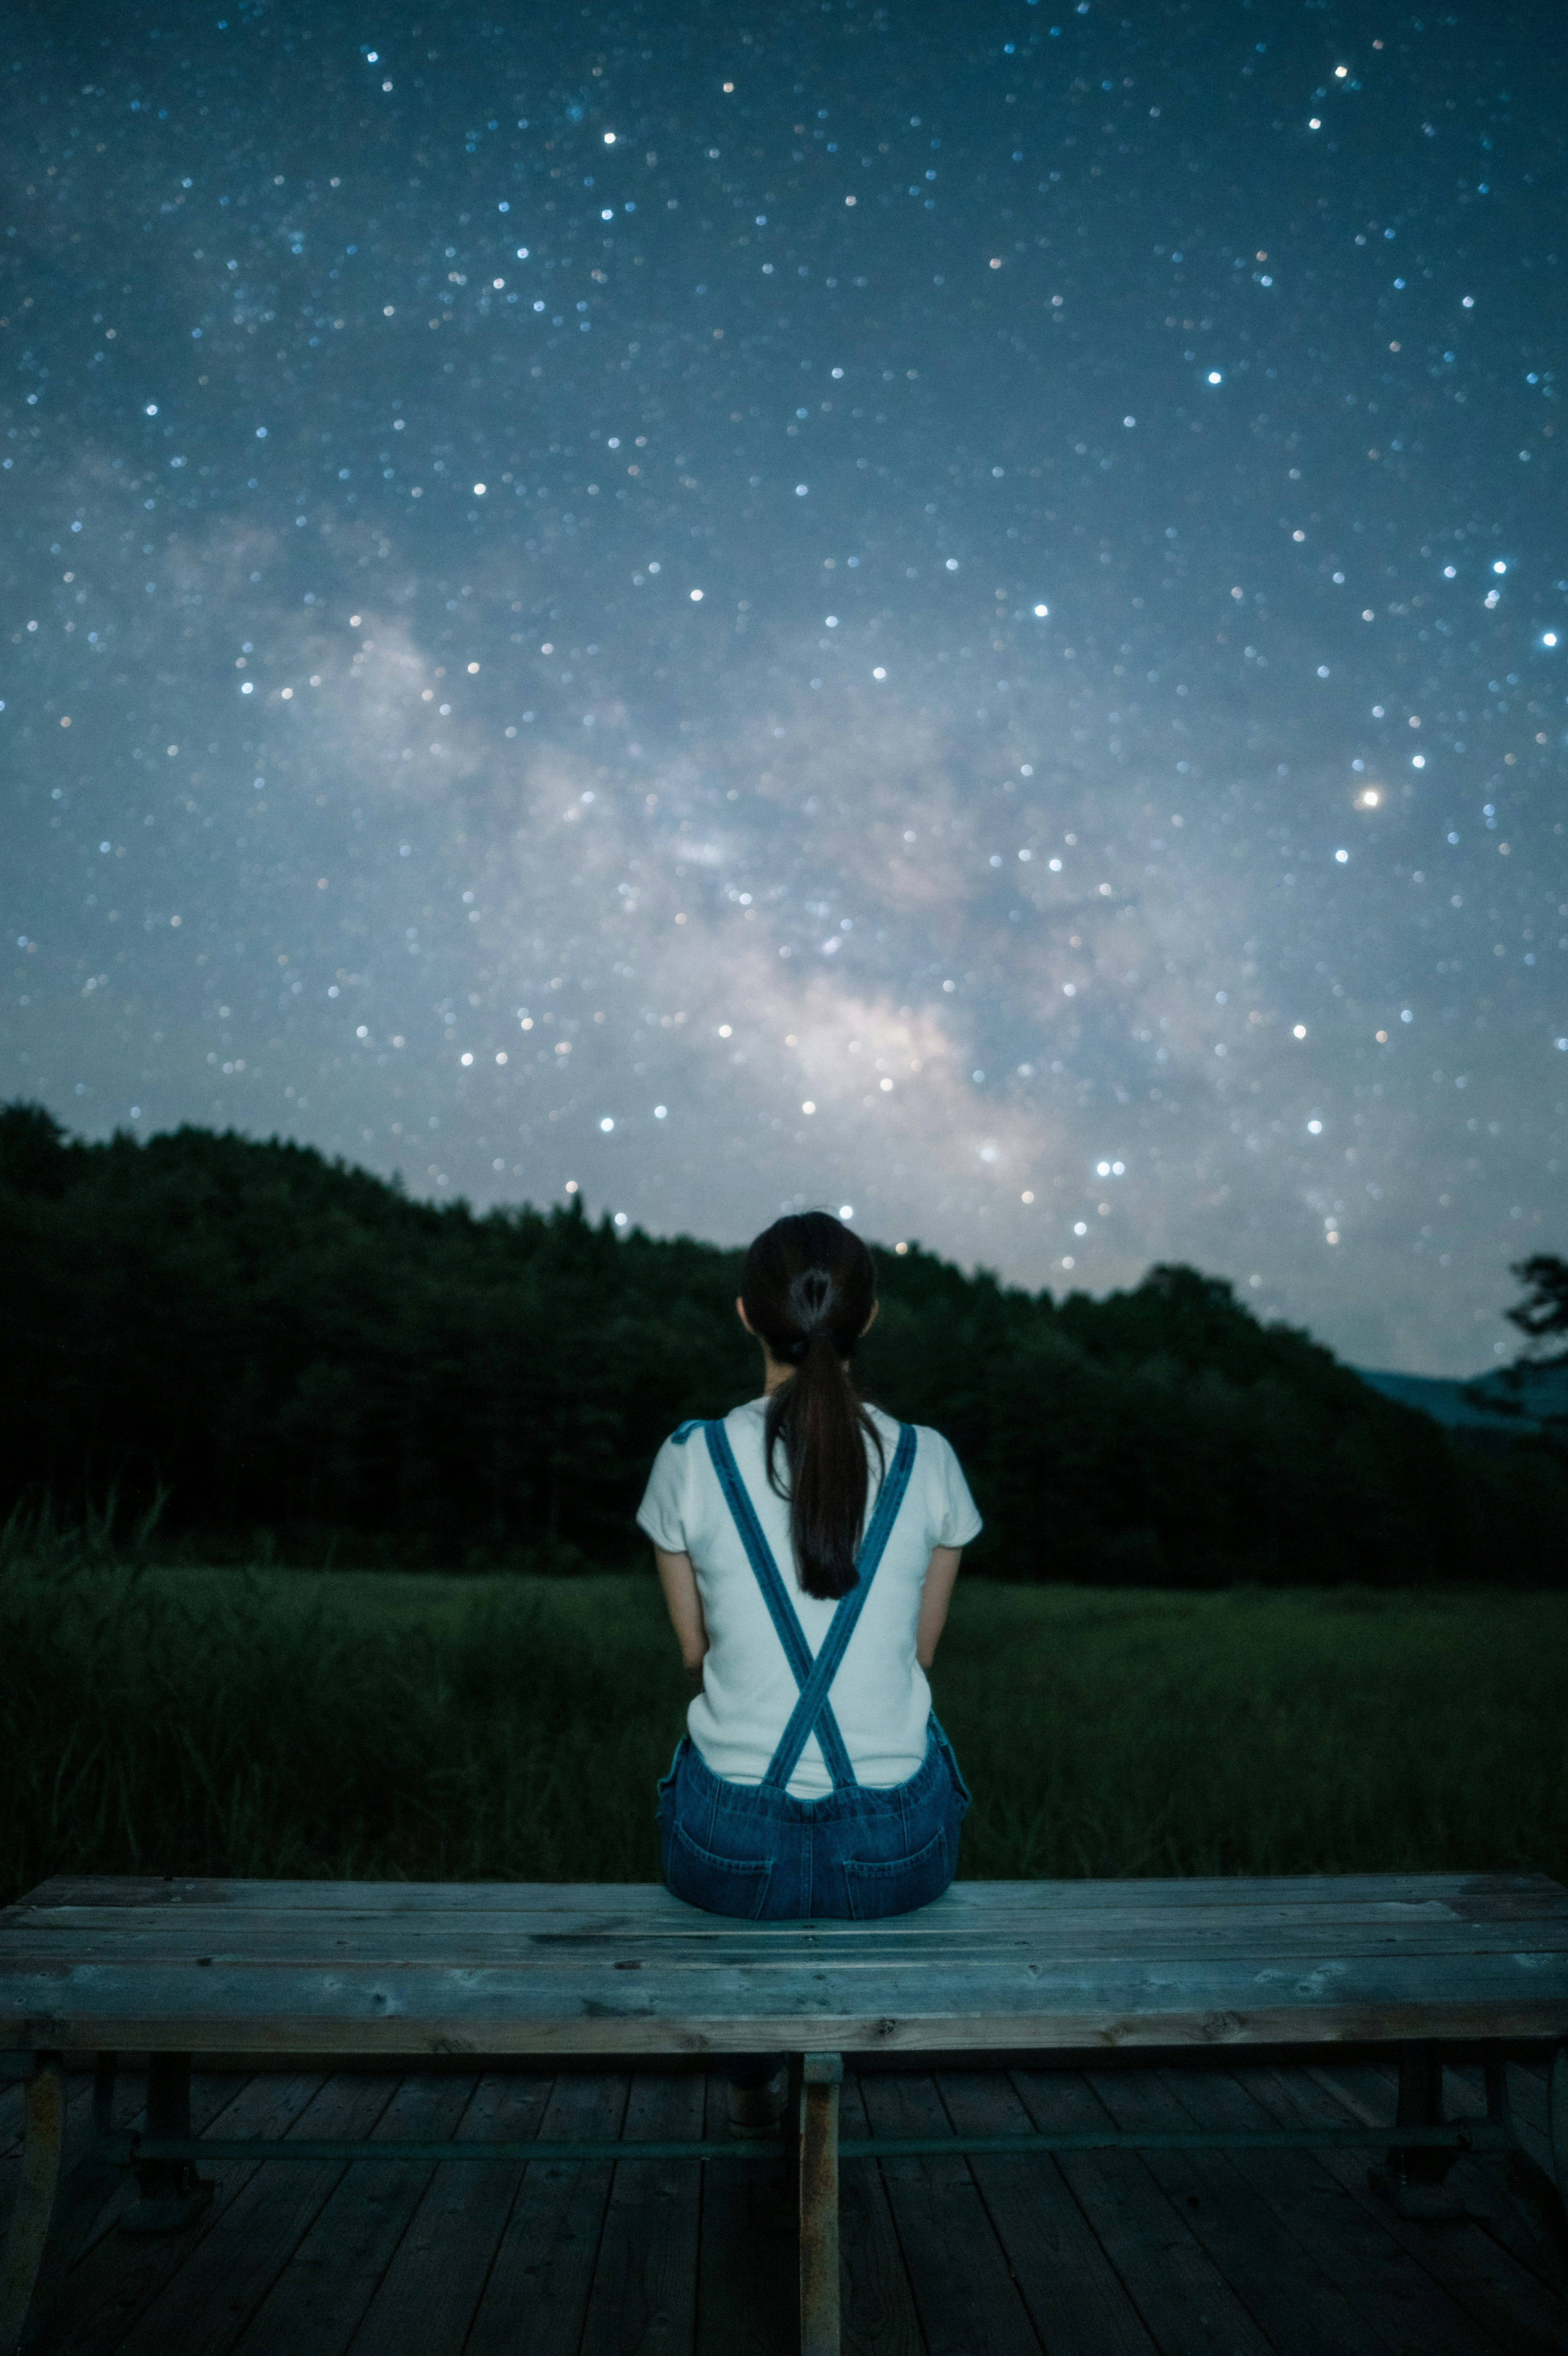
[{"x": 809, "y": 1288}]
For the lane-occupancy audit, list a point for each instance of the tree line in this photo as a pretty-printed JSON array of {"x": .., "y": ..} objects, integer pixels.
[{"x": 290, "y": 1358}]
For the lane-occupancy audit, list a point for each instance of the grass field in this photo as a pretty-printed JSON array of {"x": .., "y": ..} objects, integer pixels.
[{"x": 387, "y": 1725}]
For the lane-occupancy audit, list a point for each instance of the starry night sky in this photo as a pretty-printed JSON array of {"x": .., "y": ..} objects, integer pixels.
[{"x": 953, "y": 611}]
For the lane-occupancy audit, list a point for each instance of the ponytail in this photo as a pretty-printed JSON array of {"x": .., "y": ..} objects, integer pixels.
[{"x": 809, "y": 1290}]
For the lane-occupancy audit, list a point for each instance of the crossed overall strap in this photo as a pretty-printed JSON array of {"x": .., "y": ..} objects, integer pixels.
[{"x": 812, "y": 1713}]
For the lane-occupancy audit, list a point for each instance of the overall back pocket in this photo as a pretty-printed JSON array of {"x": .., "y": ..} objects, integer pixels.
[
  {"x": 720, "y": 1885},
  {"x": 898, "y": 1885}
]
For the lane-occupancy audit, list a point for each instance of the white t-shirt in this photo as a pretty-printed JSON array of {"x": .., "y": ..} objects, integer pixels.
[{"x": 880, "y": 1696}]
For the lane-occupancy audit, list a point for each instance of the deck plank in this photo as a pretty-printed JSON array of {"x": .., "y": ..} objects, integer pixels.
[
  {"x": 1497, "y": 2302},
  {"x": 212, "y": 2095},
  {"x": 746, "y": 2290},
  {"x": 1465, "y": 2097},
  {"x": 120, "y": 2281},
  {"x": 536, "y": 2294},
  {"x": 91, "y": 2205},
  {"x": 1188, "y": 2306},
  {"x": 1352, "y": 2234},
  {"x": 877, "y": 2303},
  {"x": 1300, "y": 2310},
  {"x": 1369, "y": 2089},
  {"x": 1096, "y": 2254},
  {"x": 964, "y": 2290},
  {"x": 1076, "y": 2300},
  {"x": 319, "y": 2300},
  {"x": 427, "y": 2298},
  {"x": 643, "y": 2299},
  {"x": 260, "y": 2244}
]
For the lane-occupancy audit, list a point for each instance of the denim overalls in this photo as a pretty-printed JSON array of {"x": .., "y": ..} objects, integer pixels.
[{"x": 861, "y": 1851}]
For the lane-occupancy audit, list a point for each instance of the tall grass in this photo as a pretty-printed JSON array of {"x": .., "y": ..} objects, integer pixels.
[
  {"x": 277, "y": 1723},
  {"x": 1257, "y": 1732}
]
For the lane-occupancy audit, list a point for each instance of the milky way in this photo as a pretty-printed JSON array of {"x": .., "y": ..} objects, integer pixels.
[{"x": 956, "y": 613}]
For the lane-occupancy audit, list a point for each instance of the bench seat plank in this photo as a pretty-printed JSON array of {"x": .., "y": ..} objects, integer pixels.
[
  {"x": 213, "y": 1943},
  {"x": 1457, "y": 1891},
  {"x": 289, "y": 2010},
  {"x": 335, "y": 1967},
  {"x": 659, "y": 1913}
]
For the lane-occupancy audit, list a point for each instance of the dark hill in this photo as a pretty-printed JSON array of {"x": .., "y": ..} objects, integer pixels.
[
  {"x": 1505, "y": 1401},
  {"x": 302, "y": 1358}
]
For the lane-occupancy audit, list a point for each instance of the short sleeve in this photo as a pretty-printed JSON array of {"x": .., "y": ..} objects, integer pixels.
[
  {"x": 664, "y": 1513},
  {"x": 953, "y": 1517}
]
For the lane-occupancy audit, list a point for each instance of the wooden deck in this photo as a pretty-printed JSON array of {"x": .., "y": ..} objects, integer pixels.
[{"x": 1193, "y": 2253}]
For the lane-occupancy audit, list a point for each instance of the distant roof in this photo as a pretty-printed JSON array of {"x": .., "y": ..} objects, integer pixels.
[{"x": 1544, "y": 1392}]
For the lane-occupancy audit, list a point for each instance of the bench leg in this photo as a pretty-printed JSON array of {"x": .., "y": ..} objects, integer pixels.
[
  {"x": 820, "y": 2077},
  {"x": 104, "y": 2071},
  {"x": 80, "y": 2196},
  {"x": 43, "y": 2143},
  {"x": 1541, "y": 2193},
  {"x": 172, "y": 2194},
  {"x": 1412, "y": 2180}
]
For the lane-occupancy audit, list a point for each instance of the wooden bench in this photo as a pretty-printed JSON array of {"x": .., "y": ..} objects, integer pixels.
[{"x": 175, "y": 1968}]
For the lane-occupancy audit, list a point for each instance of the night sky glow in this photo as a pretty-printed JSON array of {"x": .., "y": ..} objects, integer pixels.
[{"x": 958, "y": 612}]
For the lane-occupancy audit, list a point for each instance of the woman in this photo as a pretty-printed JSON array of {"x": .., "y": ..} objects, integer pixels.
[{"x": 808, "y": 1546}]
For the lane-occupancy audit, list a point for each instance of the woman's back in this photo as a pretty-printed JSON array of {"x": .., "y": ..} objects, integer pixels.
[{"x": 880, "y": 1695}]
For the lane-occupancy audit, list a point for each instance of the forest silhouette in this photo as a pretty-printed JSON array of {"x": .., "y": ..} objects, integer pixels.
[{"x": 290, "y": 1359}]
